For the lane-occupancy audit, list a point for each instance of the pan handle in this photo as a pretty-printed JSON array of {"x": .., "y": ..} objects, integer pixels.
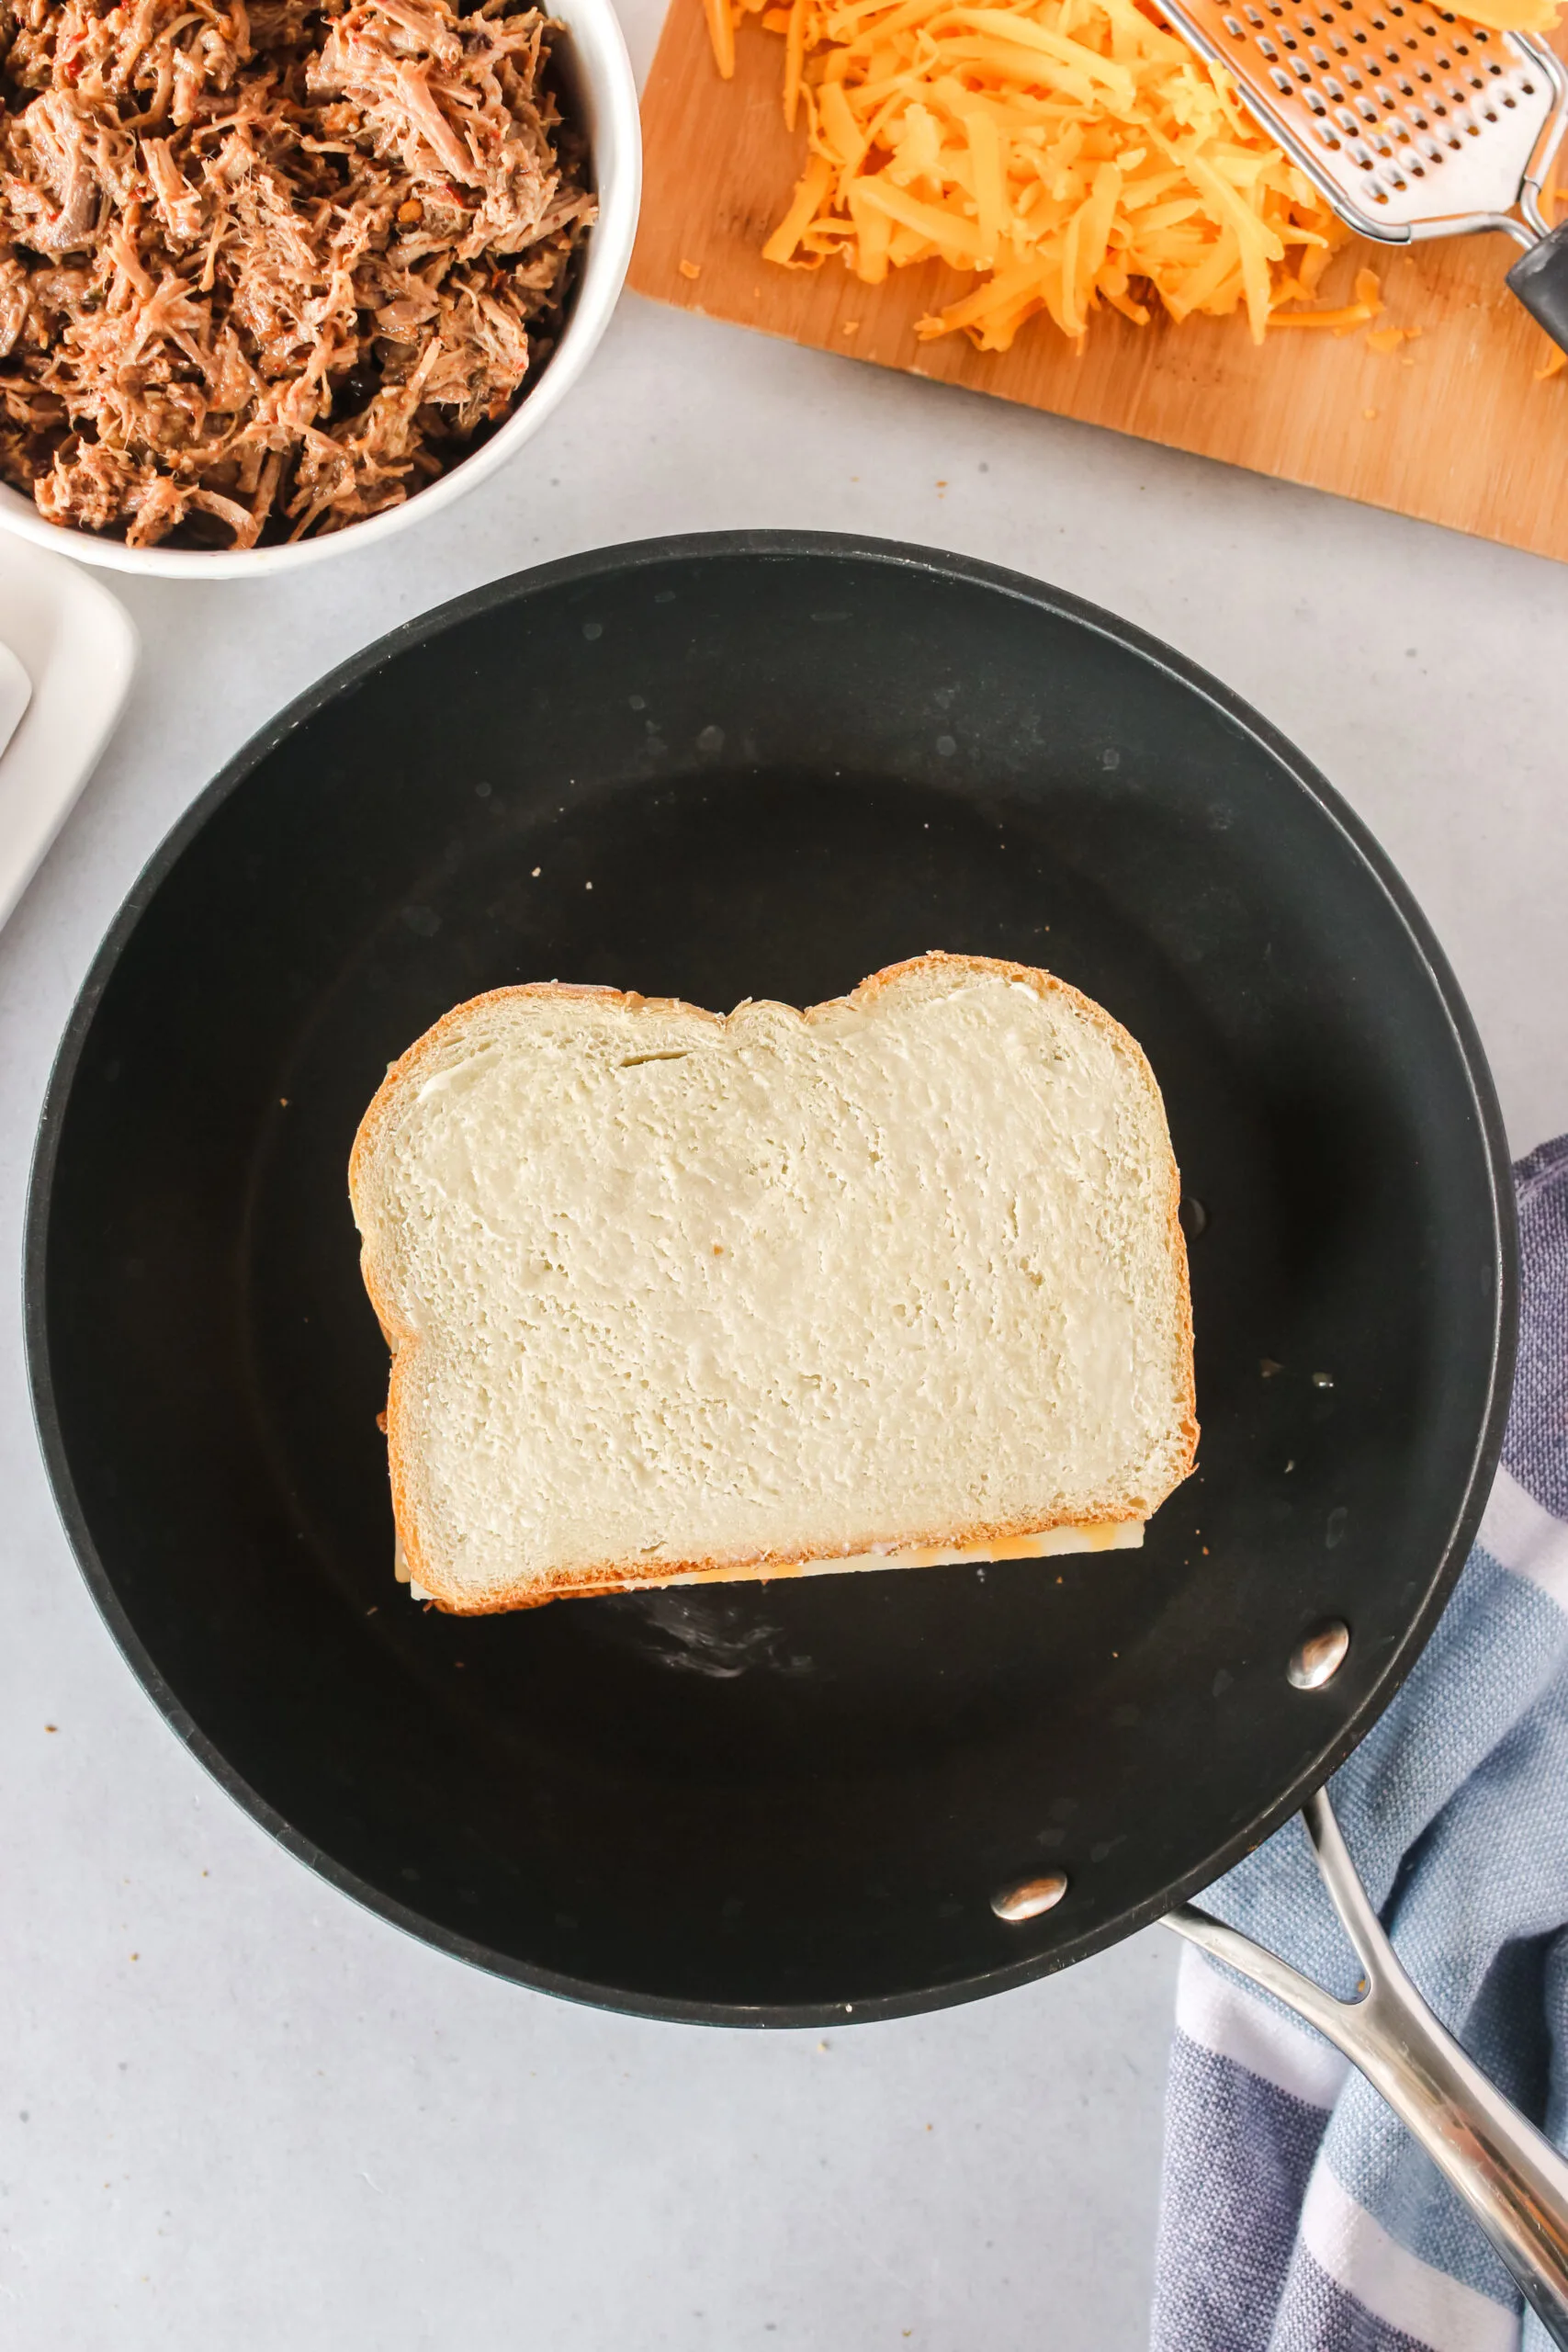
[{"x": 1513, "y": 2180}]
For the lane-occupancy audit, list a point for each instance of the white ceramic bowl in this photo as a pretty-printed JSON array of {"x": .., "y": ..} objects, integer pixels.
[{"x": 600, "y": 74}]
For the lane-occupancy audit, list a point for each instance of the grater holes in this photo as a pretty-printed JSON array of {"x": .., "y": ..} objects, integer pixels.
[{"x": 1393, "y": 90}]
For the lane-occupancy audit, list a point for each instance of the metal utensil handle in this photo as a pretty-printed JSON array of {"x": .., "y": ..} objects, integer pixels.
[
  {"x": 1513, "y": 2180},
  {"x": 1539, "y": 279}
]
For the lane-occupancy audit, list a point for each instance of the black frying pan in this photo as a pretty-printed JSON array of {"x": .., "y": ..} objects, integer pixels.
[{"x": 780, "y": 761}]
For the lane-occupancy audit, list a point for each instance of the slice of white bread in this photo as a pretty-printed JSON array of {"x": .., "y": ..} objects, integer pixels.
[{"x": 672, "y": 1295}]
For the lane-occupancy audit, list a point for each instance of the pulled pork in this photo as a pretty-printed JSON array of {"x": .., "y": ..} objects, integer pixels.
[{"x": 269, "y": 267}]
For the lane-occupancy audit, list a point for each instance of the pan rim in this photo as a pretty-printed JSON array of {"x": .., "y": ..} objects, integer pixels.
[{"x": 583, "y": 569}]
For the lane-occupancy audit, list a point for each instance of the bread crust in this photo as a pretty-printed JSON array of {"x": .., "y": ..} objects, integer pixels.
[{"x": 410, "y": 1070}]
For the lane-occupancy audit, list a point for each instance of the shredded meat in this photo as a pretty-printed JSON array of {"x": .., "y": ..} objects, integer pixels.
[{"x": 268, "y": 268}]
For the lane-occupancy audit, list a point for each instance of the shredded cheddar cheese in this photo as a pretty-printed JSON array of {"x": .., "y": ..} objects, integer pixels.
[
  {"x": 1516, "y": 16},
  {"x": 1366, "y": 306},
  {"x": 1062, "y": 153},
  {"x": 1065, "y": 154}
]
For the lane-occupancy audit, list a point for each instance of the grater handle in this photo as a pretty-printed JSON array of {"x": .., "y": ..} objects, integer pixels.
[{"x": 1539, "y": 279}]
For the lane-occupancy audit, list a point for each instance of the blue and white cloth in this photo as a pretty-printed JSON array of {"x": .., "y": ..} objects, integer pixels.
[{"x": 1297, "y": 2215}]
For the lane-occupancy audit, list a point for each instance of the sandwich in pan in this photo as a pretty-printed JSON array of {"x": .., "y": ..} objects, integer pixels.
[{"x": 675, "y": 1297}]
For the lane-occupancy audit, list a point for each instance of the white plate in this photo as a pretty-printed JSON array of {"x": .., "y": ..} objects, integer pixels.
[
  {"x": 16, "y": 693},
  {"x": 77, "y": 645}
]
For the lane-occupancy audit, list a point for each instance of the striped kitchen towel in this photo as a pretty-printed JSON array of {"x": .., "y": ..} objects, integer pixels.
[{"x": 1297, "y": 2215}]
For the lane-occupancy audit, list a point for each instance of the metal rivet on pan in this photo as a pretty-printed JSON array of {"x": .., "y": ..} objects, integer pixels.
[
  {"x": 1194, "y": 1217},
  {"x": 1028, "y": 1899},
  {"x": 1318, "y": 1657}
]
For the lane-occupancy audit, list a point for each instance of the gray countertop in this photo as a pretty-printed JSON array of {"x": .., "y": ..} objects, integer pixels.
[{"x": 240, "y": 2112}]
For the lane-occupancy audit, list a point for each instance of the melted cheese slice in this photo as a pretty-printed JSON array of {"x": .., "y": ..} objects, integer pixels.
[{"x": 1108, "y": 1535}]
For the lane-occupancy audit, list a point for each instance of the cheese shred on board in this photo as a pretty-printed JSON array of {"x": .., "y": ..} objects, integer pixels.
[{"x": 1064, "y": 153}]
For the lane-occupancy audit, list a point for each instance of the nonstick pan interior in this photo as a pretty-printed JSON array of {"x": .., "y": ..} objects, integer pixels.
[{"x": 766, "y": 767}]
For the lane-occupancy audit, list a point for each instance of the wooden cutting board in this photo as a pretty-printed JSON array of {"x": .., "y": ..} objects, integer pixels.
[{"x": 1453, "y": 428}]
